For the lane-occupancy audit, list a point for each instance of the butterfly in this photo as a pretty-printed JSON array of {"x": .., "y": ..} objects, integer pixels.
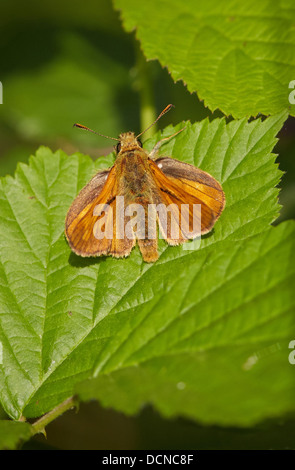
[{"x": 164, "y": 190}]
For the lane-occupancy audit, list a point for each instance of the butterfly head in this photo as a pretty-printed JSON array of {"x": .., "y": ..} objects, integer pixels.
[{"x": 128, "y": 142}]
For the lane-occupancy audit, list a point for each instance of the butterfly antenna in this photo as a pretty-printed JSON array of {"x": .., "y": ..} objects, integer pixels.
[
  {"x": 90, "y": 130},
  {"x": 159, "y": 117}
]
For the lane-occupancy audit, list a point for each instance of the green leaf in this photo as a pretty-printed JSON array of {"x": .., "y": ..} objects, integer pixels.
[
  {"x": 13, "y": 434},
  {"x": 214, "y": 347},
  {"x": 238, "y": 56},
  {"x": 190, "y": 325}
]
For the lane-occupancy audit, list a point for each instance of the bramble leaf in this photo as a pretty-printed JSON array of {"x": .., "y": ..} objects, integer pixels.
[{"x": 238, "y": 56}]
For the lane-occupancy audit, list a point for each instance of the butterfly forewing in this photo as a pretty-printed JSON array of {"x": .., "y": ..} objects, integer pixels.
[
  {"x": 185, "y": 188},
  {"x": 194, "y": 182},
  {"x": 92, "y": 212}
]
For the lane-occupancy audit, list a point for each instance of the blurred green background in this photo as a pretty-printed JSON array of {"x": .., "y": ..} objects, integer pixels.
[{"x": 68, "y": 61}]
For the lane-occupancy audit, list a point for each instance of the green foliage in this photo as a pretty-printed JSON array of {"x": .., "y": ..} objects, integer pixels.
[
  {"x": 178, "y": 333},
  {"x": 13, "y": 434},
  {"x": 238, "y": 56}
]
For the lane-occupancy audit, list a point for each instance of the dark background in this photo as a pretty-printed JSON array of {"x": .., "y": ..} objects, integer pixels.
[{"x": 67, "y": 61}]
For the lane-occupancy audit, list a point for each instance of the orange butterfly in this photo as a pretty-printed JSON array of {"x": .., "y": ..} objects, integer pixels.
[{"x": 164, "y": 189}]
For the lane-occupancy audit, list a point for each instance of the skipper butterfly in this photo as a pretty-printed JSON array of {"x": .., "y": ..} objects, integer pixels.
[{"x": 163, "y": 190}]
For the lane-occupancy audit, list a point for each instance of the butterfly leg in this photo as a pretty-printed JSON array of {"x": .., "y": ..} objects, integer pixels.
[{"x": 153, "y": 153}]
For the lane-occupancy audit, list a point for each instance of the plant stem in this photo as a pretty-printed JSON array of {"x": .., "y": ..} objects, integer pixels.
[
  {"x": 39, "y": 425},
  {"x": 146, "y": 92}
]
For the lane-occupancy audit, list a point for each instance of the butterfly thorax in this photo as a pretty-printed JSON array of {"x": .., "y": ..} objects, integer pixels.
[{"x": 134, "y": 174}]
